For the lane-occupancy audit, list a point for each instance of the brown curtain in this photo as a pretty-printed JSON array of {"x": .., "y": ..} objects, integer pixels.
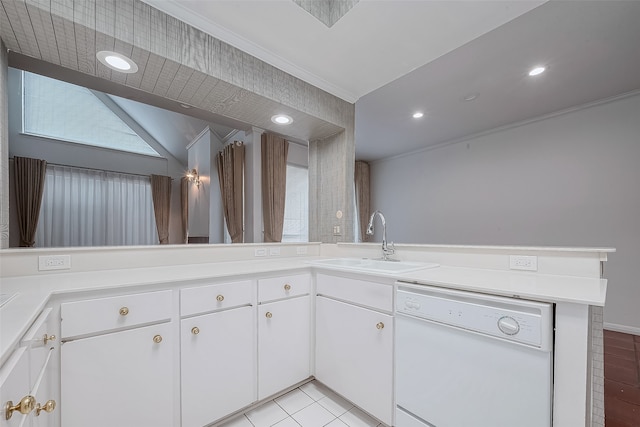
[
  {"x": 161, "y": 194},
  {"x": 274, "y": 185},
  {"x": 230, "y": 162},
  {"x": 184, "y": 208},
  {"x": 363, "y": 201},
  {"x": 29, "y": 185}
]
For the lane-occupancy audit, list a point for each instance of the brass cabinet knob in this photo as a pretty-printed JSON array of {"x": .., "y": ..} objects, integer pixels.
[
  {"x": 46, "y": 338},
  {"x": 25, "y": 406},
  {"x": 157, "y": 339},
  {"x": 195, "y": 330},
  {"x": 287, "y": 287},
  {"x": 269, "y": 315},
  {"x": 220, "y": 298},
  {"x": 49, "y": 406},
  {"x": 124, "y": 311},
  {"x": 380, "y": 325}
]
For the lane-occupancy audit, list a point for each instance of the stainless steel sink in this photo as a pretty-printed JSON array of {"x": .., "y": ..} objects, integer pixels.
[{"x": 373, "y": 265}]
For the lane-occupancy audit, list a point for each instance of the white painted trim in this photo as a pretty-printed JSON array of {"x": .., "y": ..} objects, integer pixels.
[
  {"x": 227, "y": 36},
  {"x": 229, "y": 136},
  {"x": 513, "y": 125},
  {"x": 622, "y": 328},
  {"x": 197, "y": 138}
]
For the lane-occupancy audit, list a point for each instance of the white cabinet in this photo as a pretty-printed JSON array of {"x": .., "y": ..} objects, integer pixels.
[
  {"x": 218, "y": 354},
  {"x": 354, "y": 352},
  {"x": 283, "y": 333},
  {"x": 30, "y": 373},
  {"x": 123, "y": 378}
]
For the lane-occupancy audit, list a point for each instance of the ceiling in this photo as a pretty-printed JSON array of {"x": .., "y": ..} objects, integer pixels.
[{"x": 397, "y": 57}]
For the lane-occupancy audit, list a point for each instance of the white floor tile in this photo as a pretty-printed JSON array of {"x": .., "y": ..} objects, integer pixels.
[
  {"x": 336, "y": 423},
  {"x": 238, "y": 422},
  {"x": 335, "y": 404},
  {"x": 266, "y": 415},
  {"x": 313, "y": 416},
  {"x": 357, "y": 418},
  {"x": 314, "y": 390},
  {"x": 294, "y": 401},
  {"x": 287, "y": 422}
]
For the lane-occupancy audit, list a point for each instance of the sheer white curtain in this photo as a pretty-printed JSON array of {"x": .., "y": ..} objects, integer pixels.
[{"x": 83, "y": 207}]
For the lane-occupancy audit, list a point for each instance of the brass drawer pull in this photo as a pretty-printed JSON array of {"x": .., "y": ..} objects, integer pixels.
[
  {"x": 157, "y": 339},
  {"x": 287, "y": 287},
  {"x": 195, "y": 330},
  {"x": 25, "y": 406},
  {"x": 220, "y": 298},
  {"x": 124, "y": 311},
  {"x": 46, "y": 338},
  {"x": 269, "y": 315},
  {"x": 48, "y": 407},
  {"x": 380, "y": 325}
]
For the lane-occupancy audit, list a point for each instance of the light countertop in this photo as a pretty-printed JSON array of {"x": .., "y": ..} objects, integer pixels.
[{"x": 34, "y": 292}]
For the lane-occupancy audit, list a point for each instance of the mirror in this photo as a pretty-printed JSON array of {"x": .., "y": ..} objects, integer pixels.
[{"x": 153, "y": 140}]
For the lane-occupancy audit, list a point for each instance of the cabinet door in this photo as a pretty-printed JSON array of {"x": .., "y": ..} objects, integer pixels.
[
  {"x": 44, "y": 391},
  {"x": 354, "y": 355},
  {"x": 122, "y": 379},
  {"x": 218, "y": 365},
  {"x": 14, "y": 385},
  {"x": 283, "y": 344}
]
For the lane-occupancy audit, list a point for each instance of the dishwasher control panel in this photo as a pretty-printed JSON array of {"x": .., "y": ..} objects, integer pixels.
[{"x": 526, "y": 322}]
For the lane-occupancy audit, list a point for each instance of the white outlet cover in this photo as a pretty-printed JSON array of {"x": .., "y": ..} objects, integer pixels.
[{"x": 54, "y": 262}]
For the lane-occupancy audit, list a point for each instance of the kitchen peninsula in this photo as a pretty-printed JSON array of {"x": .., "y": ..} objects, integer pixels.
[{"x": 165, "y": 296}]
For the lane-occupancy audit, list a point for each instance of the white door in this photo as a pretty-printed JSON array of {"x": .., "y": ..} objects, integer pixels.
[
  {"x": 354, "y": 355},
  {"x": 218, "y": 365},
  {"x": 283, "y": 344},
  {"x": 14, "y": 385},
  {"x": 122, "y": 379}
]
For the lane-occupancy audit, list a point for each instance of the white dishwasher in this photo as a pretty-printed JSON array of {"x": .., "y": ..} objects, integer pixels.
[{"x": 472, "y": 360}]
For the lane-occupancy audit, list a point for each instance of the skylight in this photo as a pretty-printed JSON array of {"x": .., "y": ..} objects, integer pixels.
[{"x": 63, "y": 111}]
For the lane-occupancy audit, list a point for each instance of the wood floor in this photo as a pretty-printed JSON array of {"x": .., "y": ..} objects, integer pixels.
[{"x": 621, "y": 379}]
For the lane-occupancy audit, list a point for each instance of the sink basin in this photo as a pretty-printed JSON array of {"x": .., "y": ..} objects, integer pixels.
[{"x": 374, "y": 265}]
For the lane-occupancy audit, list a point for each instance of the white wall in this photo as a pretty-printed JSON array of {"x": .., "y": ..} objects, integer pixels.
[{"x": 568, "y": 180}]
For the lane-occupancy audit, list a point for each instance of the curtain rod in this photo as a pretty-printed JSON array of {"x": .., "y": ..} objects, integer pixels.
[{"x": 94, "y": 169}]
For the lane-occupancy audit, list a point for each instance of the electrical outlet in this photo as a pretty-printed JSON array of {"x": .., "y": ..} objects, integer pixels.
[
  {"x": 336, "y": 230},
  {"x": 523, "y": 262},
  {"x": 301, "y": 250},
  {"x": 274, "y": 251},
  {"x": 260, "y": 252},
  {"x": 54, "y": 262}
]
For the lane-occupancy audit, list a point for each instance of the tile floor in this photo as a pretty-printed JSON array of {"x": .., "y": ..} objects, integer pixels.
[
  {"x": 621, "y": 379},
  {"x": 311, "y": 405}
]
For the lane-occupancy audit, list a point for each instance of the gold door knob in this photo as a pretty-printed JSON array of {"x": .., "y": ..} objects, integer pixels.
[
  {"x": 25, "y": 406},
  {"x": 220, "y": 298},
  {"x": 124, "y": 311},
  {"x": 46, "y": 338},
  {"x": 380, "y": 325},
  {"x": 157, "y": 339},
  {"x": 287, "y": 287},
  {"x": 49, "y": 406},
  {"x": 195, "y": 330},
  {"x": 269, "y": 315}
]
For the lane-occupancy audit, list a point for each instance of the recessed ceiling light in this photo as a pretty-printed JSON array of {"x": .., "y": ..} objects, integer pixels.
[
  {"x": 117, "y": 62},
  {"x": 537, "y": 71},
  {"x": 281, "y": 119},
  {"x": 470, "y": 97},
  {"x": 418, "y": 115}
]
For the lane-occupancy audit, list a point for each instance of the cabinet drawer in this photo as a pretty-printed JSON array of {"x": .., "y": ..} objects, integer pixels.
[
  {"x": 283, "y": 287},
  {"x": 204, "y": 299},
  {"x": 361, "y": 292},
  {"x": 39, "y": 339},
  {"x": 121, "y": 312}
]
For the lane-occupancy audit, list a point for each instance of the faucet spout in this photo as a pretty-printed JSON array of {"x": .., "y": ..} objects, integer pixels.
[{"x": 386, "y": 251}]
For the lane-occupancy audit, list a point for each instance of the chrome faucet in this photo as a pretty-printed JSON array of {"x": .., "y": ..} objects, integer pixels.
[{"x": 386, "y": 250}]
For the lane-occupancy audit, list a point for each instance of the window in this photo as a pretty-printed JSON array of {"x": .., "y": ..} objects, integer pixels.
[
  {"x": 296, "y": 205},
  {"x": 62, "y": 111},
  {"x": 82, "y": 207}
]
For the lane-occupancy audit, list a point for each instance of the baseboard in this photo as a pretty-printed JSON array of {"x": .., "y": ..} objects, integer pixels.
[{"x": 622, "y": 328}]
